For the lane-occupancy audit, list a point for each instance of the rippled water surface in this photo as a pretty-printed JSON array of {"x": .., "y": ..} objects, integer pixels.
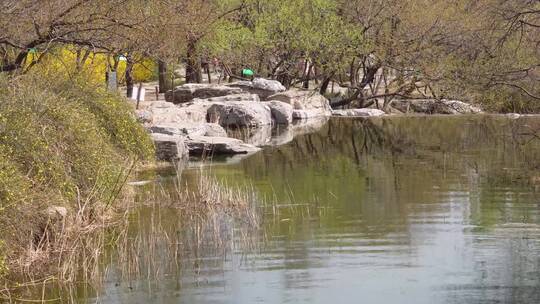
[{"x": 392, "y": 210}]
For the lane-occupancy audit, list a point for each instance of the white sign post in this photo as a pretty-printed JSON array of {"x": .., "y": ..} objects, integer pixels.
[{"x": 135, "y": 95}]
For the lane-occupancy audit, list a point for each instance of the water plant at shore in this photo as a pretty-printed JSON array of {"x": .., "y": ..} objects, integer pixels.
[
  {"x": 169, "y": 222},
  {"x": 179, "y": 218}
]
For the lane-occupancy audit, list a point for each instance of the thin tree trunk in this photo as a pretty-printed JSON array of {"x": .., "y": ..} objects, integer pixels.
[
  {"x": 208, "y": 74},
  {"x": 193, "y": 64},
  {"x": 232, "y": 74},
  {"x": 18, "y": 63},
  {"x": 173, "y": 75},
  {"x": 352, "y": 72},
  {"x": 82, "y": 57},
  {"x": 307, "y": 75},
  {"x": 162, "y": 71},
  {"x": 324, "y": 85},
  {"x": 129, "y": 76},
  {"x": 285, "y": 79},
  {"x": 369, "y": 76}
]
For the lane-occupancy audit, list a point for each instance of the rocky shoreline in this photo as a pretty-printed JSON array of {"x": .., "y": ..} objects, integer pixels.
[{"x": 194, "y": 119}]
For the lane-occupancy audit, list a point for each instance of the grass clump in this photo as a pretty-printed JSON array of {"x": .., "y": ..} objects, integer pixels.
[
  {"x": 63, "y": 142},
  {"x": 3, "y": 266}
]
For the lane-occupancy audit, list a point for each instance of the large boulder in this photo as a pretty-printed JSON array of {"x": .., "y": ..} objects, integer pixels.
[
  {"x": 260, "y": 86},
  {"x": 282, "y": 113},
  {"x": 313, "y": 103},
  {"x": 167, "y": 113},
  {"x": 203, "y": 145},
  {"x": 169, "y": 147},
  {"x": 359, "y": 113},
  {"x": 190, "y": 91},
  {"x": 160, "y": 112},
  {"x": 268, "y": 85},
  {"x": 239, "y": 114}
]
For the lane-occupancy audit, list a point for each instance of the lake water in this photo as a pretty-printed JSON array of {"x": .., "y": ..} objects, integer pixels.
[{"x": 387, "y": 210}]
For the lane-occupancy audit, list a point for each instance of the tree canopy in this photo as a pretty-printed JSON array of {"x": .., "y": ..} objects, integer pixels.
[{"x": 483, "y": 51}]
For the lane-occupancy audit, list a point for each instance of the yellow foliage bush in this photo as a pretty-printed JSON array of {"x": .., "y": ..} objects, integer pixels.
[{"x": 64, "y": 61}]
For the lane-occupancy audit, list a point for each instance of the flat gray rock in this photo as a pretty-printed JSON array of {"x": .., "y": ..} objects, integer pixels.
[
  {"x": 260, "y": 86},
  {"x": 308, "y": 114},
  {"x": 268, "y": 85},
  {"x": 201, "y": 145},
  {"x": 187, "y": 113},
  {"x": 359, "y": 113},
  {"x": 246, "y": 97},
  {"x": 187, "y": 92},
  {"x": 189, "y": 129},
  {"x": 513, "y": 115}
]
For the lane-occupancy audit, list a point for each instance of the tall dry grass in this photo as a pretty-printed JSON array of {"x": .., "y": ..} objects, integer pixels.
[{"x": 137, "y": 239}]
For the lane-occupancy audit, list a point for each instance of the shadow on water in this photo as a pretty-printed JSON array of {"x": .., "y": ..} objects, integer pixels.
[{"x": 421, "y": 209}]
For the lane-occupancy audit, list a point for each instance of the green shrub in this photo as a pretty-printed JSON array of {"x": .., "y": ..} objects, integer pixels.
[
  {"x": 61, "y": 142},
  {"x": 67, "y": 138},
  {"x": 13, "y": 185},
  {"x": 507, "y": 101}
]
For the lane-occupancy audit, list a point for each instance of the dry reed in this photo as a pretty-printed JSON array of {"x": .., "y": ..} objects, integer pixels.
[{"x": 135, "y": 240}]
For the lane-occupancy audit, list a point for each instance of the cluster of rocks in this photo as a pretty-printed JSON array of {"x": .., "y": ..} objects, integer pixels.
[
  {"x": 433, "y": 106},
  {"x": 418, "y": 106},
  {"x": 193, "y": 119}
]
